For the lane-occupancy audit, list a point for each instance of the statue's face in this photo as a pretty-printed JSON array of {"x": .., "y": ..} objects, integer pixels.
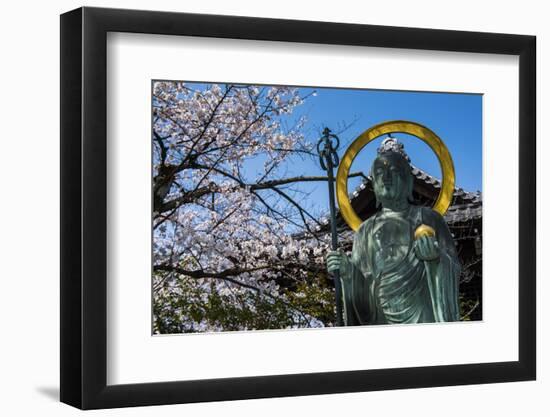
[{"x": 390, "y": 179}]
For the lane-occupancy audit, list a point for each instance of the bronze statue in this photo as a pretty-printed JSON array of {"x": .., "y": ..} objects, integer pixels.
[{"x": 404, "y": 266}]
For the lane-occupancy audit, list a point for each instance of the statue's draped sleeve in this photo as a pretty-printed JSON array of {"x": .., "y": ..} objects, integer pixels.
[
  {"x": 443, "y": 276},
  {"x": 355, "y": 277}
]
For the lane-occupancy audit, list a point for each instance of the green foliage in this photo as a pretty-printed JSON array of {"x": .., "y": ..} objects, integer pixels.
[
  {"x": 189, "y": 305},
  {"x": 467, "y": 307},
  {"x": 315, "y": 298}
]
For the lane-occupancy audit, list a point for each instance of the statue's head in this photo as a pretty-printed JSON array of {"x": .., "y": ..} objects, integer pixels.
[{"x": 391, "y": 175}]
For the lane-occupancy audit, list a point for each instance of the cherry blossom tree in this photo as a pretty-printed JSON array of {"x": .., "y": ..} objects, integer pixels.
[{"x": 235, "y": 247}]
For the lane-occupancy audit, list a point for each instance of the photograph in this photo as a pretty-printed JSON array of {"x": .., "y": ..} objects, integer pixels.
[
  {"x": 264, "y": 209},
  {"x": 280, "y": 207}
]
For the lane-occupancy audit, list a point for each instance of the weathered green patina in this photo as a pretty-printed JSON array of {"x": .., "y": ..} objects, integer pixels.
[{"x": 391, "y": 277}]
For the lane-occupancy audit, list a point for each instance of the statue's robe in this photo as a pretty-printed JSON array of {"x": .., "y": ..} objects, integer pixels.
[{"x": 384, "y": 282}]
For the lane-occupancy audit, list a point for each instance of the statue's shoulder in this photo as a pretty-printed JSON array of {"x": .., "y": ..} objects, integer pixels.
[
  {"x": 433, "y": 218},
  {"x": 428, "y": 213},
  {"x": 361, "y": 232},
  {"x": 365, "y": 225}
]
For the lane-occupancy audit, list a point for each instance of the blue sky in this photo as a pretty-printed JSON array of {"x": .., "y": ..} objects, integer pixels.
[{"x": 455, "y": 118}]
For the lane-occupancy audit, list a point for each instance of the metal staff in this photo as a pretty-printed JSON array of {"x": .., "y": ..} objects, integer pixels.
[{"x": 328, "y": 158}]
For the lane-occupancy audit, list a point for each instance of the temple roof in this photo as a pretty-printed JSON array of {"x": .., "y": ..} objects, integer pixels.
[
  {"x": 463, "y": 212},
  {"x": 460, "y": 195}
]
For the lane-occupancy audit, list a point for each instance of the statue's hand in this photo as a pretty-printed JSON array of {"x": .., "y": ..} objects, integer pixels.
[
  {"x": 336, "y": 261},
  {"x": 427, "y": 248}
]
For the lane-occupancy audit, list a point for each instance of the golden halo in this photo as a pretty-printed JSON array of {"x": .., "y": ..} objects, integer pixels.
[{"x": 395, "y": 126}]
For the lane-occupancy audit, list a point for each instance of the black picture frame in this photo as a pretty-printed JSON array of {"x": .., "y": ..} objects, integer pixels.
[{"x": 84, "y": 207}]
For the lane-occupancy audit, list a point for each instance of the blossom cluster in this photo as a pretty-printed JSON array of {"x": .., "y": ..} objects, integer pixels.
[{"x": 221, "y": 224}]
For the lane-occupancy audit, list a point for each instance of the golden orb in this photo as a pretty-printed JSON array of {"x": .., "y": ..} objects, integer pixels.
[{"x": 423, "y": 230}]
